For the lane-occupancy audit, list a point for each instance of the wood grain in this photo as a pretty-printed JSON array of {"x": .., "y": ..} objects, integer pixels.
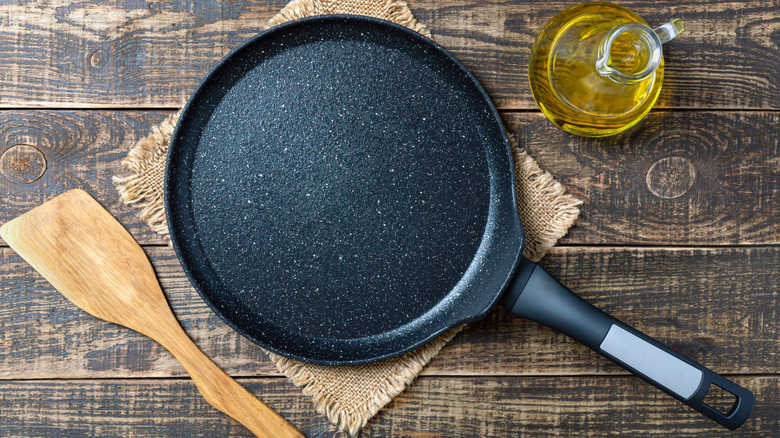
[
  {"x": 716, "y": 305},
  {"x": 80, "y": 150},
  {"x": 110, "y": 53},
  {"x": 86, "y": 254},
  {"x": 728, "y": 162},
  {"x": 734, "y": 197},
  {"x": 433, "y": 407}
]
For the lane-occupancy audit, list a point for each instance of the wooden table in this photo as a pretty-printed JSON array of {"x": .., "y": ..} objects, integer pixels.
[{"x": 678, "y": 235}]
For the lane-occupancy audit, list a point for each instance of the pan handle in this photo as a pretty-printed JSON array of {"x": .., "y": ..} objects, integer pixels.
[{"x": 534, "y": 294}]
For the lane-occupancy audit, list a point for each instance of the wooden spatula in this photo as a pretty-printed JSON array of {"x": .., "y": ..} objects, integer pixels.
[{"x": 91, "y": 259}]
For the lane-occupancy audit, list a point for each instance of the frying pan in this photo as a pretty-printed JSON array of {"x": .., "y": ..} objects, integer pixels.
[{"x": 340, "y": 190}]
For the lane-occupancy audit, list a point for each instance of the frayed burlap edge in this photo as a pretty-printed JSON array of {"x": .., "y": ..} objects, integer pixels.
[
  {"x": 143, "y": 186},
  {"x": 531, "y": 181},
  {"x": 351, "y": 418},
  {"x": 392, "y": 10}
]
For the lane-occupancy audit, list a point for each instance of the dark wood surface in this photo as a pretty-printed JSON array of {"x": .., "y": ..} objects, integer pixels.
[
  {"x": 716, "y": 305},
  {"x": 484, "y": 406},
  {"x": 678, "y": 235},
  {"x": 137, "y": 53}
]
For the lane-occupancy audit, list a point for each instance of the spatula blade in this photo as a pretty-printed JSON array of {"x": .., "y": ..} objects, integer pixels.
[{"x": 88, "y": 256}]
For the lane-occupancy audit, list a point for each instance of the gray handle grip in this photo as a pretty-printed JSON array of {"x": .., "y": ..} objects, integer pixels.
[{"x": 534, "y": 294}]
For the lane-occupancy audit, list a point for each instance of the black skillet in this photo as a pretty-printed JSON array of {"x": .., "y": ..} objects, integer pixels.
[{"x": 340, "y": 190}]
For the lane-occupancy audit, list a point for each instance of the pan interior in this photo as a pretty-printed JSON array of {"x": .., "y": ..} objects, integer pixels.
[{"x": 332, "y": 185}]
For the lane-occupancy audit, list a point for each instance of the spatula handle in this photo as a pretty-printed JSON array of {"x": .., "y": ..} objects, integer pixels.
[{"x": 224, "y": 393}]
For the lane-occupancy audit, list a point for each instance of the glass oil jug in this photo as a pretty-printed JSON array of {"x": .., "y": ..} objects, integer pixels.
[{"x": 596, "y": 68}]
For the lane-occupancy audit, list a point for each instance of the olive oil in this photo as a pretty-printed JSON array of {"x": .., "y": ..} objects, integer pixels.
[{"x": 596, "y": 68}]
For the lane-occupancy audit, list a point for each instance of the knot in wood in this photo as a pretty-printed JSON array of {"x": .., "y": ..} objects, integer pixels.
[
  {"x": 670, "y": 177},
  {"x": 22, "y": 164},
  {"x": 99, "y": 58}
]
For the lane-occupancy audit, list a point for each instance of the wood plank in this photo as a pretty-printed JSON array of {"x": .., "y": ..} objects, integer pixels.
[
  {"x": 494, "y": 40},
  {"x": 678, "y": 178},
  {"x": 729, "y": 160},
  {"x": 433, "y": 407},
  {"x": 716, "y": 305},
  {"x": 99, "y": 53},
  {"x": 73, "y": 149}
]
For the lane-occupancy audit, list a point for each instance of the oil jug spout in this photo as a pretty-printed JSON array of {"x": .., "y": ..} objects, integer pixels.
[
  {"x": 629, "y": 53},
  {"x": 668, "y": 31}
]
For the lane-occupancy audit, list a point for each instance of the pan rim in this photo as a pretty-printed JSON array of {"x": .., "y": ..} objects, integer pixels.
[{"x": 178, "y": 246}]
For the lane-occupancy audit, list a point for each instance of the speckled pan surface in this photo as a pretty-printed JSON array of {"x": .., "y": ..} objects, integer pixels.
[{"x": 340, "y": 190}]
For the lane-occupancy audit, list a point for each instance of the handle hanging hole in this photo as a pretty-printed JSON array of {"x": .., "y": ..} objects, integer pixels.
[{"x": 721, "y": 400}]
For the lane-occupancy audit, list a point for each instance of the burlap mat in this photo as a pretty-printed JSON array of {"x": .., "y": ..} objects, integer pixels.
[{"x": 351, "y": 395}]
